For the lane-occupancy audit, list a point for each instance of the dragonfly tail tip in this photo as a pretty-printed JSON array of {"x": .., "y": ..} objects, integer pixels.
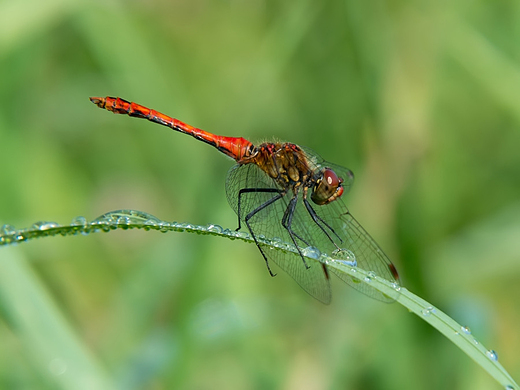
[{"x": 98, "y": 101}]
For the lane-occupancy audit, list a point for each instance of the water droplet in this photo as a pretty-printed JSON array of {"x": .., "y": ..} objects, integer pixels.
[
  {"x": 396, "y": 287},
  {"x": 492, "y": 355},
  {"x": 226, "y": 232},
  {"x": 42, "y": 225},
  {"x": 311, "y": 252},
  {"x": 428, "y": 311},
  {"x": 344, "y": 256},
  {"x": 289, "y": 248},
  {"x": 214, "y": 228},
  {"x": 136, "y": 214},
  {"x": 101, "y": 224},
  {"x": 101, "y": 221},
  {"x": 148, "y": 224},
  {"x": 509, "y": 387},
  {"x": 123, "y": 220},
  {"x": 163, "y": 226},
  {"x": 108, "y": 218},
  {"x": 7, "y": 230},
  {"x": 457, "y": 334},
  {"x": 20, "y": 237},
  {"x": 79, "y": 221},
  {"x": 476, "y": 342},
  {"x": 370, "y": 276},
  {"x": 283, "y": 246},
  {"x": 242, "y": 235},
  {"x": 124, "y": 223},
  {"x": 465, "y": 329}
]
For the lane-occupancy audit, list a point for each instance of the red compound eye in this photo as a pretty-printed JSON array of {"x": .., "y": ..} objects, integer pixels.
[
  {"x": 331, "y": 178},
  {"x": 327, "y": 188}
]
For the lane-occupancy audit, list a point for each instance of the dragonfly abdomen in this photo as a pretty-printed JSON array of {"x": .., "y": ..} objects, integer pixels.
[{"x": 236, "y": 148}]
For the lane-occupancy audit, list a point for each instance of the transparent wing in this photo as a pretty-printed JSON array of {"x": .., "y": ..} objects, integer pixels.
[
  {"x": 350, "y": 236},
  {"x": 366, "y": 253},
  {"x": 333, "y": 231},
  {"x": 268, "y": 223}
]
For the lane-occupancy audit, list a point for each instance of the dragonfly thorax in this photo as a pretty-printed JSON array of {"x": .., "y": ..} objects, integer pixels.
[
  {"x": 285, "y": 163},
  {"x": 288, "y": 165}
]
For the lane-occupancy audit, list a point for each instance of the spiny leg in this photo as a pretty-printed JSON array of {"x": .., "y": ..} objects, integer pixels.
[
  {"x": 287, "y": 218},
  {"x": 284, "y": 224},
  {"x": 248, "y": 190},
  {"x": 317, "y": 219},
  {"x": 255, "y": 211}
]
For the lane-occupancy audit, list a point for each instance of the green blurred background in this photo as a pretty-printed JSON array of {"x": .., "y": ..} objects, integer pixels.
[{"x": 419, "y": 98}]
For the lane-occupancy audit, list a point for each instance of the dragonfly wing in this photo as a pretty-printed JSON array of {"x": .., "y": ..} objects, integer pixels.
[
  {"x": 368, "y": 256},
  {"x": 332, "y": 227},
  {"x": 268, "y": 223}
]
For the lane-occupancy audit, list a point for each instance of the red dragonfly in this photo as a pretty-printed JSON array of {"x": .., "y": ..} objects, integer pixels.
[{"x": 269, "y": 189}]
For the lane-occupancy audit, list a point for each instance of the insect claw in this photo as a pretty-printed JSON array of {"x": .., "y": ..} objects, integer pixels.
[{"x": 269, "y": 269}]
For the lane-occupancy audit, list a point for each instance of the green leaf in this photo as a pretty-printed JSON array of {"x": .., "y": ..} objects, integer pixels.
[{"x": 130, "y": 219}]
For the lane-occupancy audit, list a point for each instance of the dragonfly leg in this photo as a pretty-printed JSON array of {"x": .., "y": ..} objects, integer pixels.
[
  {"x": 317, "y": 219},
  {"x": 287, "y": 224},
  {"x": 249, "y": 190},
  {"x": 257, "y": 210},
  {"x": 284, "y": 224}
]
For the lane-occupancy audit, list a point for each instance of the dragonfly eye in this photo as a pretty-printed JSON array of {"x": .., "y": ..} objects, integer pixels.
[{"x": 327, "y": 188}]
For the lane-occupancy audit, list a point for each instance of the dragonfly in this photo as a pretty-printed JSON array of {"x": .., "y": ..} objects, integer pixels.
[{"x": 288, "y": 193}]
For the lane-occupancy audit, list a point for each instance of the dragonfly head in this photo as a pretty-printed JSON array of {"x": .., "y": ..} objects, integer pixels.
[{"x": 327, "y": 187}]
